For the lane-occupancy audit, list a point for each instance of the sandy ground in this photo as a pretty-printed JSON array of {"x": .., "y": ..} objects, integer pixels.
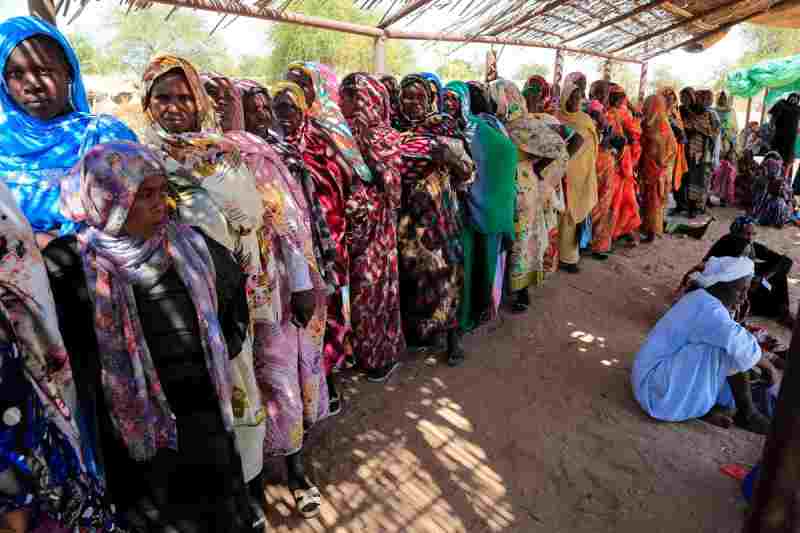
[{"x": 539, "y": 430}]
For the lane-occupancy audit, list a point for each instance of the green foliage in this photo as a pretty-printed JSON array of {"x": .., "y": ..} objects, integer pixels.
[
  {"x": 142, "y": 34},
  {"x": 622, "y": 74},
  {"x": 88, "y": 55},
  {"x": 459, "y": 70},
  {"x": 344, "y": 52},
  {"x": 527, "y": 70}
]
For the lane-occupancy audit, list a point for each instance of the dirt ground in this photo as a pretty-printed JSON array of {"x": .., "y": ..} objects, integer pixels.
[{"x": 538, "y": 431}]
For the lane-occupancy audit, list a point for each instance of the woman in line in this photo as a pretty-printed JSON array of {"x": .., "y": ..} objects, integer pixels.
[
  {"x": 393, "y": 88},
  {"x": 581, "y": 177},
  {"x": 47, "y": 124},
  {"x": 608, "y": 176},
  {"x": 773, "y": 204},
  {"x": 490, "y": 208},
  {"x": 372, "y": 212},
  {"x": 701, "y": 133},
  {"x": 626, "y": 208},
  {"x": 785, "y": 117},
  {"x": 215, "y": 191},
  {"x": 48, "y": 468},
  {"x": 697, "y": 354},
  {"x": 156, "y": 309},
  {"x": 316, "y": 125},
  {"x": 257, "y": 108},
  {"x": 436, "y": 174},
  {"x": 288, "y": 330},
  {"x": 679, "y": 131},
  {"x": 656, "y": 166},
  {"x": 769, "y": 295},
  {"x": 542, "y": 161},
  {"x": 724, "y": 177}
]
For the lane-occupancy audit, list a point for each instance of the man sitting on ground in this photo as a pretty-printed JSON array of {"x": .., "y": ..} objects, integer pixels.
[{"x": 697, "y": 354}]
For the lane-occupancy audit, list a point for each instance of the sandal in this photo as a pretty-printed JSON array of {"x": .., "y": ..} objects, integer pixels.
[
  {"x": 307, "y": 501},
  {"x": 382, "y": 374},
  {"x": 456, "y": 357},
  {"x": 334, "y": 405}
]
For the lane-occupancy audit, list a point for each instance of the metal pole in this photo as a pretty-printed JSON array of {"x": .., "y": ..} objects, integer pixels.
[{"x": 379, "y": 57}]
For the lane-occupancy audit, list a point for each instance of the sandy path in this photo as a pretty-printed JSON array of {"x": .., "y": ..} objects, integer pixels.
[{"x": 539, "y": 430}]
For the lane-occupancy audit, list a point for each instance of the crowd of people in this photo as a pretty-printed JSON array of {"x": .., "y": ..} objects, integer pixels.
[{"x": 176, "y": 303}]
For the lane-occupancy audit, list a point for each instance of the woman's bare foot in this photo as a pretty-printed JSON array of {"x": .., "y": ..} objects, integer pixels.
[{"x": 718, "y": 418}]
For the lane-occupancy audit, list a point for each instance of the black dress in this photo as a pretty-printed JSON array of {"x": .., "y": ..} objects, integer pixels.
[
  {"x": 200, "y": 487},
  {"x": 785, "y": 118},
  {"x": 772, "y": 302}
]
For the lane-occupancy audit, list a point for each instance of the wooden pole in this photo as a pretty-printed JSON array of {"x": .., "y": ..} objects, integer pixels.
[
  {"x": 615, "y": 20},
  {"x": 749, "y": 108},
  {"x": 558, "y": 74},
  {"x": 642, "y": 84},
  {"x": 764, "y": 105},
  {"x": 775, "y": 502},
  {"x": 44, "y": 9},
  {"x": 379, "y": 55}
]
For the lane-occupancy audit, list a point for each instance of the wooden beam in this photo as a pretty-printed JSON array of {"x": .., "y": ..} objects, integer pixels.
[
  {"x": 388, "y": 21},
  {"x": 723, "y": 27},
  {"x": 774, "y": 507},
  {"x": 525, "y": 17},
  {"x": 460, "y": 38},
  {"x": 749, "y": 109},
  {"x": 677, "y": 25},
  {"x": 242, "y": 10},
  {"x": 616, "y": 20},
  {"x": 764, "y": 111}
]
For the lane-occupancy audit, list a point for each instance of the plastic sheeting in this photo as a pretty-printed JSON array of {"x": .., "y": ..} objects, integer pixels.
[{"x": 780, "y": 75}]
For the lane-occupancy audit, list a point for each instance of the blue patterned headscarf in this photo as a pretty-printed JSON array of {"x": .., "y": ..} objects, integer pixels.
[
  {"x": 740, "y": 222},
  {"x": 35, "y": 154},
  {"x": 436, "y": 85}
]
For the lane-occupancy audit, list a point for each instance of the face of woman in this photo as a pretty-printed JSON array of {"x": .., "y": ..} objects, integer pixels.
[
  {"x": 669, "y": 100},
  {"x": 172, "y": 103},
  {"x": 301, "y": 78},
  {"x": 574, "y": 101},
  {"x": 452, "y": 105},
  {"x": 615, "y": 100},
  {"x": 749, "y": 232},
  {"x": 258, "y": 113},
  {"x": 38, "y": 76},
  {"x": 347, "y": 101},
  {"x": 414, "y": 100},
  {"x": 149, "y": 208},
  {"x": 221, "y": 92},
  {"x": 287, "y": 114},
  {"x": 687, "y": 98}
]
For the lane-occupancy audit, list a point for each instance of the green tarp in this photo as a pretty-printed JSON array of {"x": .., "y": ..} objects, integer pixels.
[{"x": 780, "y": 75}]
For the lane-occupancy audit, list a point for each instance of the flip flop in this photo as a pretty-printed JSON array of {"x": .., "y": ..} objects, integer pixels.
[{"x": 308, "y": 502}]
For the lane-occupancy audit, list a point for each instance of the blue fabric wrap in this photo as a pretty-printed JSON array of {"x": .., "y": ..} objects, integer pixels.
[{"x": 35, "y": 154}]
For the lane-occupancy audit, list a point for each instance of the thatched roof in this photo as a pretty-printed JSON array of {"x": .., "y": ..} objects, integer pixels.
[{"x": 635, "y": 30}]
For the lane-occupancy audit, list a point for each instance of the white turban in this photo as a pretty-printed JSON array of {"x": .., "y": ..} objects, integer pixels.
[{"x": 723, "y": 269}]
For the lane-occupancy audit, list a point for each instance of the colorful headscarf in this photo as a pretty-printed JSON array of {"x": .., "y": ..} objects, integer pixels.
[
  {"x": 434, "y": 122},
  {"x": 325, "y": 111},
  {"x": 492, "y": 194},
  {"x": 571, "y": 83},
  {"x": 437, "y": 88},
  {"x": 393, "y": 86},
  {"x": 237, "y": 121},
  {"x": 537, "y": 85},
  {"x": 204, "y": 164},
  {"x": 110, "y": 176},
  {"x": 58, "y": 470},
  {"x": 531, "y": 135},
  {"x": 740, "y": 222},
  {"x": 36, "y": 154},
  {"x": 371, "y": 127}
]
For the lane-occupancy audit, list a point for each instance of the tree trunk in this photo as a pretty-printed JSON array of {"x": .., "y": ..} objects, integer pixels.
[
  {"x": 776, "y": 503},
  {"x": 44, "y": 9}
]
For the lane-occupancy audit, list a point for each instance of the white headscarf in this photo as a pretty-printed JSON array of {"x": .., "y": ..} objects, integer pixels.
[{"x": 723, "y": 269}]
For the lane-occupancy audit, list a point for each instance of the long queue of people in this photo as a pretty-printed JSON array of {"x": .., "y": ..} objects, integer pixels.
[{"x": 175, "y": 305}]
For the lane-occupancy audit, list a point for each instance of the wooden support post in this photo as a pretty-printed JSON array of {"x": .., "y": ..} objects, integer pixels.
[
  {"x": 775, "y": 508},
  {"x": 558, "y": 74},
  {"x": 379, "y": 55},
  {"x": 764, "y": 106},
  {"x": 749, "y": 108},
  {"x": 643, "y": 84}
]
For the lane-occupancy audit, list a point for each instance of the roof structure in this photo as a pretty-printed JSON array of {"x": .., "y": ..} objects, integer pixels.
[{"x": 618, "y": 30}]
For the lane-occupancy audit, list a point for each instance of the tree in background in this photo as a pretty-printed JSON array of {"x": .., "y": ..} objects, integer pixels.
[
  {"x": 527, "y": 70},
  {"x": 663, "y": 76},
  {"x": 622, "y": 74},
  {"x": 344, "y": 52},
  {"x": 459, "y": 70},
  {"x": 141, "y": 34}
]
